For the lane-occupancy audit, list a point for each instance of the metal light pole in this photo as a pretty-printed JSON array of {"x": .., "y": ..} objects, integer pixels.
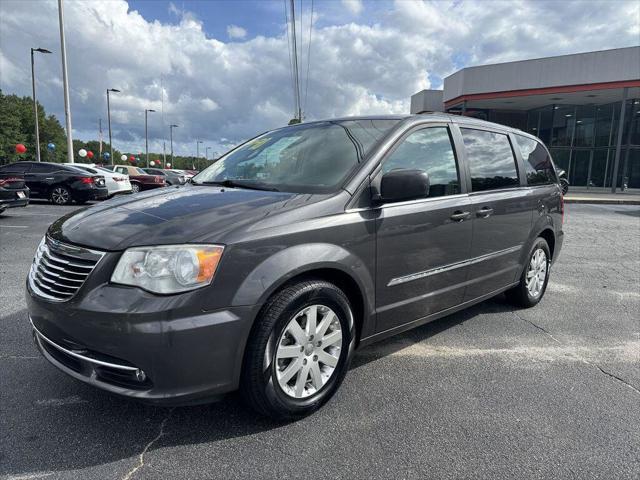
[
  {"x": 206, "y": 153},
  {"x": 35, "y": 103},
  {"x": 198, "y": 142},
  {"x": 115, "y": 90},
  {"x": 146, "y": 135},
  {"x": 171, "y": 127},
  {"x": 65, "y": 83}
]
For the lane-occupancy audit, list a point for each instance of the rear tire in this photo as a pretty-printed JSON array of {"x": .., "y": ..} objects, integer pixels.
[
  {"x": 534, "y": 278},
  {"x": 288, "y": 372},
  {"x": 60, "y": 195},
  {"x": 135, "y": 188}
]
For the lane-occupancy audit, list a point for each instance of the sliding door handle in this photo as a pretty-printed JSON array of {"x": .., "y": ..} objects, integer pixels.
[
  {"x": 484, "y": 212},
  {"x": 459, "y": 216}
]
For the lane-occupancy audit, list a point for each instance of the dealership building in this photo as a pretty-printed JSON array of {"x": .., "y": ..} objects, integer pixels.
[{"x": 585, "y": 107}]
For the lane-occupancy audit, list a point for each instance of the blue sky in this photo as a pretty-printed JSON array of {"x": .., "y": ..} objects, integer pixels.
[{"x": 220, "y": 69}]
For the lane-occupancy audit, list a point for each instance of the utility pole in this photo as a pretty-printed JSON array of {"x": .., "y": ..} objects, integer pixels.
[
  {"x": 115, "y": 90},
  {"x": 65, "y": 83},
  {"x": 296, "y": 78},
  {"x": 100, "y": 137},
  {"x": 146, "y": 134},
  {"x": 35, "y": 103},
  {"x": 171, "y": 127}
]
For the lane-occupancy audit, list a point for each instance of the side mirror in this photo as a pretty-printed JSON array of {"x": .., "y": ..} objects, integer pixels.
[{"x": 404, "y": 184}]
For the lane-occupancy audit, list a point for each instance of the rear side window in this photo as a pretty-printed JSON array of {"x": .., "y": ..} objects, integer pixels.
[
  {"x": 122, "y": 170},
  {"x": 429, "y": 149},
  {"x": 490, "y": 158},
  {"x": 43, "y": 168},
  {"x": 537, "y": 163}
]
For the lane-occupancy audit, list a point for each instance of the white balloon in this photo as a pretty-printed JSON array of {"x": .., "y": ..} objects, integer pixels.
[
  {"x": 168, "y": 165},
  {"x": 123, "y": 158},
  {"x": 152, "y": 163},
  {"x": 82, "y": 152}
]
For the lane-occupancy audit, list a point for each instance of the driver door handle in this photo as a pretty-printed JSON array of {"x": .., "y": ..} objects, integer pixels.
[
  {"x": 484, "y": 212},
  {"x": 459, "y": 216}
]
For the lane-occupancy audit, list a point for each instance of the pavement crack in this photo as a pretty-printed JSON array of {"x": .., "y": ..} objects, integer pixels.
[
  {"x": 578, "y": 357},
  {"x": 140, "y": 463}
]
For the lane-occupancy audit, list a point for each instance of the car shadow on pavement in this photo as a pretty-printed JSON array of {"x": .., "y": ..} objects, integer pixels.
[{"x": 54, "y": 423}]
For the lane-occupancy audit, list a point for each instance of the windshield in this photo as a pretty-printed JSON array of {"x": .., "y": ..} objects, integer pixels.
[
  {"x": 306, "y": 158},
  {"x": 104, "y": 169},
  {"x": 140, "y": 171}
]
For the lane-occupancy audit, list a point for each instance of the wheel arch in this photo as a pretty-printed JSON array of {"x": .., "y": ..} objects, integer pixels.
[{"x": 319, "y": 261}]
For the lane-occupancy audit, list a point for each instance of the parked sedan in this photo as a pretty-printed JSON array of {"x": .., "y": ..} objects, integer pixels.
[
  {"x": 170, "y": 176},
  {"x": 115, "y": 182},
  {"x": 140, "y": 180},
  {"x": 13, "y": 191},
  {"x": 61, "y": 184}
]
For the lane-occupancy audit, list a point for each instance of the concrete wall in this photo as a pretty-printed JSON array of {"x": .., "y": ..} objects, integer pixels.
[{"x": 579, "y": 69}]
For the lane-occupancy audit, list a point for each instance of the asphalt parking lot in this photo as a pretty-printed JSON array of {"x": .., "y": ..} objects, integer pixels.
[{"x": 491, "y": 392}]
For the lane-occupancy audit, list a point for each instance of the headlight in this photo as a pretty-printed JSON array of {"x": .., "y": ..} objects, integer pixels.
[{"x": 168, "y": 269}]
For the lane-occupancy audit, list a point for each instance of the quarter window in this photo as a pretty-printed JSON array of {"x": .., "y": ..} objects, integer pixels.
[
  {"x": 537, "y": 163},
  {"x": 429, "y": 149},
  {"x": 490, "y": 159}
]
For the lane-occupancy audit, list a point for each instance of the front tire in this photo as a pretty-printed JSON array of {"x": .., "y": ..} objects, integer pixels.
[
  {"x": 135, "y": 188},
  {"x": 298, "y": 351},
  {"x": 534, "y": 278}
]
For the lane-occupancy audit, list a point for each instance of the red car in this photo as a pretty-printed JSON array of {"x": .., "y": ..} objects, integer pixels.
[{"x": 140, "y": 180}]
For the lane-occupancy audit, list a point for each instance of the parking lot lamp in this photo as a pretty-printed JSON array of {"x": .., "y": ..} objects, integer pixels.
[
  {"x": 146, "y": 134},
  {"x": 35, "y": 103}
]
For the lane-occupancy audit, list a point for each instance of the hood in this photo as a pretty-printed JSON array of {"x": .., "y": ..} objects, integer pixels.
[{"x": 172, "y": 216}]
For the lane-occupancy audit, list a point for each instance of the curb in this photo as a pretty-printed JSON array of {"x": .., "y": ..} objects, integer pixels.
[{"x": 598, "y": 201}]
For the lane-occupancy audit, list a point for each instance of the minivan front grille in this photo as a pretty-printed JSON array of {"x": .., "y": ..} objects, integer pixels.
[{"x": 59, "y": 270}]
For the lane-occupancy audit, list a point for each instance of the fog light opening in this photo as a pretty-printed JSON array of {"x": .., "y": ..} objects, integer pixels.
[{"x": 140, "y": 375}]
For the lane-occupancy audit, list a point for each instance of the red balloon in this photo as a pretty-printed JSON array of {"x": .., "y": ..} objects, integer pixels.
[
  {"x": 90, "y": 154},
  {"x": 20, "y": 148},
  {"x": 132, "y": 159}
]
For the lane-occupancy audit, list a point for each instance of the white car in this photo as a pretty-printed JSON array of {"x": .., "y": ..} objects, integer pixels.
[{"x": 116, "y": 182}]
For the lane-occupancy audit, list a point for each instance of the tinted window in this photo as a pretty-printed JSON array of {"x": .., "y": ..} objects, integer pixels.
[
  {"x": 490, "y": 159},
  {"x": 42, "y": 168},
  {"x": 309, "y": 157},
  {"x": 537, "y": 163},
  {"x": 122, "y": 170},
  {"x": 16, "y": 168},
  {"x": 430, "y": 150}
]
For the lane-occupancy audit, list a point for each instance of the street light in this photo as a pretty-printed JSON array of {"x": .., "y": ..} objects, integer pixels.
[
  {"x": 146, "y": 135},
  {"x": 171, "y": 127},
  {"x": 198, "y": 142},
  {"x": 206, "y": 152},
  {"x": 114, "y": 90},
  {"x": 35, "y": 103}
]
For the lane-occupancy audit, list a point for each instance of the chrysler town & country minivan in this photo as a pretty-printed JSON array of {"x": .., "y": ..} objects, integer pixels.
[{"x": 270, "y": 268}]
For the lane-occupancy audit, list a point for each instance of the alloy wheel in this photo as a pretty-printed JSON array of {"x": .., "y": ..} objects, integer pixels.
[
  {"x": 135, "y": 188},
  {"x": 308, "y": 351},
  {"x": 537, "y": 272},
  {"x": 60, "y": 196}
]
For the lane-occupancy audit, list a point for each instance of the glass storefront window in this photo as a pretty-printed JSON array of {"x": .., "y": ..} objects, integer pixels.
[
  {"x": 546, "y": 119},
  {"x": 585, "y": 122},
  {"x": 579, "y": 168},
  {"x": 634, "y": 122},
  {"x": 599, "y": 167},
  {"x": 632, "y": 172},
  {"x": 563, "y": 125},
  {"x": 604, "y": 118},
  {"x": 560, "y": 158}
]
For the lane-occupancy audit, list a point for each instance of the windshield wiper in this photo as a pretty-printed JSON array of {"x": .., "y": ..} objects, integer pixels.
[{"x": 239, "y": 184}]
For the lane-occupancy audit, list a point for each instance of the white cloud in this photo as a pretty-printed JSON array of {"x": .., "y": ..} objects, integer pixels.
[
  {"x": 235, "y": 31},
  {"x": 354, "y": 6},
  {"x": 224, "y": 92}
]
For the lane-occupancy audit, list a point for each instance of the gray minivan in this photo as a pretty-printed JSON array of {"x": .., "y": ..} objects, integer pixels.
[{"x": 274, "y": 264}]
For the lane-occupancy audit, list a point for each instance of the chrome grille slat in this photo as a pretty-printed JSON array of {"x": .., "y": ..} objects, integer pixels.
[
  {"x": 59, "y": 259},
  {"x": 44, "y": 261},
  {"x": 59, "y": 270}
]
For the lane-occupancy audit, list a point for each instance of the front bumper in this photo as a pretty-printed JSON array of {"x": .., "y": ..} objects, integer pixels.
[{"x": 143, "y": 346}]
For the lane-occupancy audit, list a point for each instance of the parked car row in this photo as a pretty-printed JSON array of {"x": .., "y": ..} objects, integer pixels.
[{"x": 63, "y": 183}]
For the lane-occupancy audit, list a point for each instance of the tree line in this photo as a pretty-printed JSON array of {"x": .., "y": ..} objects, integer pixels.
[{"x": 17, "y": 126}]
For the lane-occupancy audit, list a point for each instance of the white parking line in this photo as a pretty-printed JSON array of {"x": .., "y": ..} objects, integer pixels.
[{"x": 14, "y": 226}]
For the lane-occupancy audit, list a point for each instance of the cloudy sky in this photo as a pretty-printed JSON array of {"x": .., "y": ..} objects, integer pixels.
[{"x": 224, "y": 65}]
